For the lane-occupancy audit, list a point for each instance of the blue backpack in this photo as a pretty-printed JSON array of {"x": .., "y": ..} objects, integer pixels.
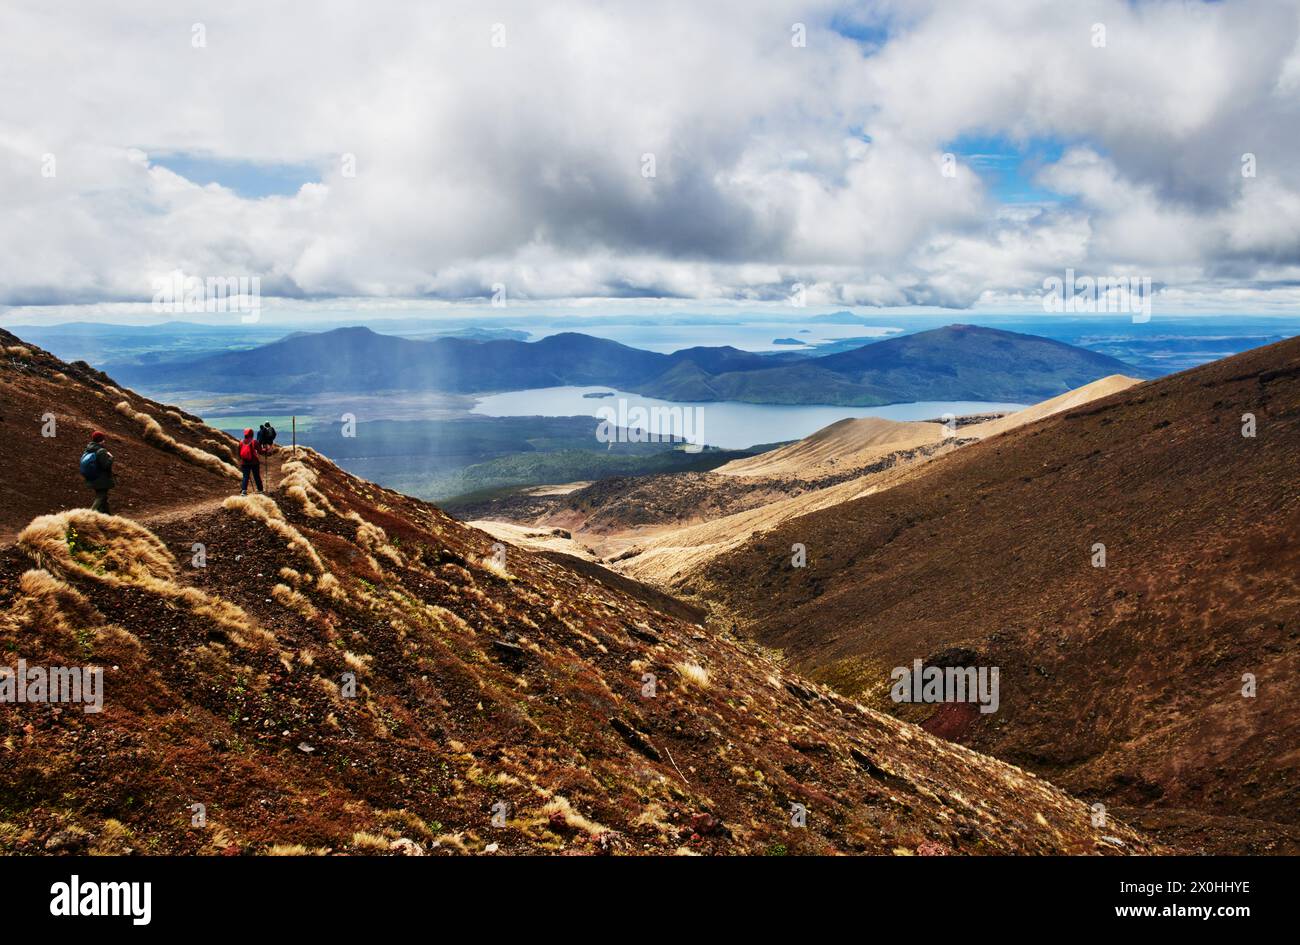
[{"x": 90, "y": 464}]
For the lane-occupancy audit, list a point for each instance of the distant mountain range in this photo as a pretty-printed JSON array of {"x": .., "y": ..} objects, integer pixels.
[{"x": 958, "y": 362}]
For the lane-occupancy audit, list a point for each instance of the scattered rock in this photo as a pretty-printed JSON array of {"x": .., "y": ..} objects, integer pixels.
[
  {"x": 635, "y": 739},
  {"x": 67, "y": 841},
  {"x": 706, "y": 824},
  {"x": 511, "y": 654},
  {"x": 803, "y": 693},
  {"x": 646, "y": 636},
  {"x": 933, "y": 848}
]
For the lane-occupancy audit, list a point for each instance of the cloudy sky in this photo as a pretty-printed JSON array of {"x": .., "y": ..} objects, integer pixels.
[{"x": 693, "y": 151}]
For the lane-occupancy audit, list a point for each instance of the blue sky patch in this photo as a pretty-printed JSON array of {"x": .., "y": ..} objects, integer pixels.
[
  {"x": 1008, "y": 166},
  {"x": 249, "y": 179},
  {"x": 870, "y": 36}
]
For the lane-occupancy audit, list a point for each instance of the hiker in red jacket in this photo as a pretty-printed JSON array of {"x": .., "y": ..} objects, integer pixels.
[{"x": 249, "y": 451}]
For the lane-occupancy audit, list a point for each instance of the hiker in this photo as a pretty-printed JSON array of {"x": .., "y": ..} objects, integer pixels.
[
  {"x": 266, "y": 442},
  {"x": 249, "y": 450},
  {"x": 97, "y": 468}
]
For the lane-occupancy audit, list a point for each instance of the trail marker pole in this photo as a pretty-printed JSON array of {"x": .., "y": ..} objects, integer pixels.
[{"x": 295, "y": 435}]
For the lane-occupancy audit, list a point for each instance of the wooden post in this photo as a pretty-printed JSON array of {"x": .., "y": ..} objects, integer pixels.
[{"x": 295, "y": 435}]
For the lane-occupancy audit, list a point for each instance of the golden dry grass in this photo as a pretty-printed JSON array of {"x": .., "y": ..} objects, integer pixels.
[
  {"x": 299, "y": 482},
  {"x": 116, "y": 551},
  {"x": 375, "y": 540},
  {"x": 263, "y": 509},
  {"x": 560, "y": 806},
  {"x": 286, "y": 596},
  {"x": 329, "y": 585},
  {"x": 694, "y": 674},
  {"x": 45, "y": 603},
  {"x": 369, "y": 842},
  {"x": 105, "y": 546},
  {"x": 156, "y": 435}
]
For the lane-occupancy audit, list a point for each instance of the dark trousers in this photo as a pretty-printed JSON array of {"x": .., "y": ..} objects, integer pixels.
[
  {"x": 101, "y": 502},
  {"x": 251, "y": 469}
]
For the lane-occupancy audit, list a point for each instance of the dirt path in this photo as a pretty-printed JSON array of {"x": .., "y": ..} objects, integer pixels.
[{"x": 176, "y": 511}]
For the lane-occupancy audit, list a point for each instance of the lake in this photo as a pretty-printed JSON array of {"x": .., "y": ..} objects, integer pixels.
[{"x": 725, "y": 424}]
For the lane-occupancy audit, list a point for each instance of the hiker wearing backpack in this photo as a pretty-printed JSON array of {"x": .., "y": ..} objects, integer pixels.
[
  {"x": 97, "y": 469},
  {"x": 249, "y": 451},
  {"x": 266, "y": 444}
]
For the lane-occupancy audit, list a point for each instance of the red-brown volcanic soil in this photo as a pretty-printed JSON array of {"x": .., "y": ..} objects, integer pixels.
[
  {"x": 1122, "y": 683},
  {"x": 477, "y": 684}
]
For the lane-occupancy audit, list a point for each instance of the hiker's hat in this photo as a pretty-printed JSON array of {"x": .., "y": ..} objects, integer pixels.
[
  {"x": 97, "y": 437},
  {"x": 248, "y": 432}
]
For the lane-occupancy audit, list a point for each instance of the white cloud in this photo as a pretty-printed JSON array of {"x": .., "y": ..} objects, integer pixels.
[{"x": 523, "y": 164}]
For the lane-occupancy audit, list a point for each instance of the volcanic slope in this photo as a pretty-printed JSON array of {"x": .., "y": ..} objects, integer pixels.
[
  {"x": 340, "y": 668},
  {"x": 846, "y": 444},
  {"x": 1128, "y": 683},
  {"x": 48, "y": 409}
]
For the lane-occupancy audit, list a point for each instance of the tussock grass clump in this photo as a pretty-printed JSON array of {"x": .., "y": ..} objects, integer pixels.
[
  {"x": 296, "y": 849},
  {"x": 299, "y": 482},
  {"x": 369, "y": 842},
  {"x": 443, "y": 616},
  {"x": 155, "y": 434},
  {"x": 19, "y": 351},
  {"x": 114, "y": 837},
  {"x": 494, "y": 564},
  {"x": 181, "y": 419},
  {"x": 375, "y": 540},
  {"x": 693, "y": 674},
  {"x": 218, "y": 446},
  {"x": 452, "y": 841},
  {"x": 559, "y": 808},
  {"x": 329, "y": 585},
  {"x": 81, "y": 541},
  {"x": 116, "y": 551},
  {"x": 360, "y": 663},
  {"x": 46, "y": 604},
  {"x": 55, "y": 603},
  {"x": 263, "y": 509},
  {"x": 286, "y": 596},
  {"x": 300, "y": 495},
  {"x": 406, "y": 823},
  {"x": 240, "y": 628}
]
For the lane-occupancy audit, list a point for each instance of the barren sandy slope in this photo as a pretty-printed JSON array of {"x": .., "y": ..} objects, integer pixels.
[{"x": 839, "y": 463}]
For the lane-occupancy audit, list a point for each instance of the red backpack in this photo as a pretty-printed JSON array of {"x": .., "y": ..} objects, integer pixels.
[{"x": 248, "y": 451}]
